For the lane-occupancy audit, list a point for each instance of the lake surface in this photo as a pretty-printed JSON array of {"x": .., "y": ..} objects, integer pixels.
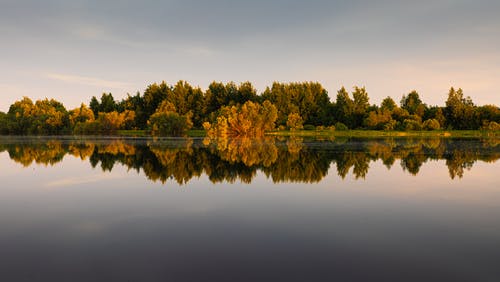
[{"x": 288, "y": 209}]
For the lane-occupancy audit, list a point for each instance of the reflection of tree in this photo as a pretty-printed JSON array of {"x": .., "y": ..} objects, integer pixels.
[
  {"x": 383, "y": 151},
  {"x": 458, "y": 162},
  {"x": 412, "y": 162},
  {"x": 249, "y": 151},
  {"x": 109, "y": 152},
  {"x": 304, "y": 166},
  {"x": 358, "y": 160},
  {"x": 48, "y": 153},
  {"x": 461, "y": 155},
  {"x": 294, "y": 145},
  {"x": 81, "y": 150},
  {"x": 177, "y": 162},
  {"x": 282, "y": 159}
]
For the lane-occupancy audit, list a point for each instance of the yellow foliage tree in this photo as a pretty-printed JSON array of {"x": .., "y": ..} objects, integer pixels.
[
  {"x": 112, "y": 121},
  {"x": 81, "y": 115},
  {"x": 294, "y": 122},
  {"x": 42, "y": 117},
  {"x": 380, "y": 119},
  {"x": 249, "y": 119},
  {"x": 167, "y": 122}
]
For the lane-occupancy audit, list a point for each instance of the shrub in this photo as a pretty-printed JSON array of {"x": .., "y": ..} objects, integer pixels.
[
  {"x": 390, "y": 125},
  {"x": 169, "y": 124},
  {"x": 340, "y": 126},
  {"x": 379, "y": 120},
  {"x": 431, "y": 124},
  {"x": 4, "y": 123},
  {"x": 89, "y": 127},
  {"x": 309, "y": 127},
  {"x": 410, "y": 124},
  {"x": 294, "y": 122},
  {"x": 490, "y": 125}
]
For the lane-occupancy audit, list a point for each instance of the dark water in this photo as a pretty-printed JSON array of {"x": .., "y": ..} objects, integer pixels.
[{"x": 249, "y": 210}]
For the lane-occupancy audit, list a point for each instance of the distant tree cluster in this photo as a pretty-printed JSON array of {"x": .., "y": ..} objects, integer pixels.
[{"x": 231, "y": 109}]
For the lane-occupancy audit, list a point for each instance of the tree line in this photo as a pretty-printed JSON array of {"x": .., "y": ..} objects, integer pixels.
[{"x": 231, "y": 109}]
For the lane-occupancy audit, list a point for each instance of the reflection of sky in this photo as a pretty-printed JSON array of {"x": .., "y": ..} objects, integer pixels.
[
  {"x": 88, "y": 222},
  {"x": 432, "y": 181}
]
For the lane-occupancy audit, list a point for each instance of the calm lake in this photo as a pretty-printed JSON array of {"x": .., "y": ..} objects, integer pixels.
[{"x": 288, "y": 209}]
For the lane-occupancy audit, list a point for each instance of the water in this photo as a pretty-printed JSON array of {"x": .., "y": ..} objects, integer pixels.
[{"x": 286, "y": 209}]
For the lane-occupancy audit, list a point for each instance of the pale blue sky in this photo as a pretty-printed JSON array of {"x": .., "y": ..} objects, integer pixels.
[{"x": 72, "y": 50}]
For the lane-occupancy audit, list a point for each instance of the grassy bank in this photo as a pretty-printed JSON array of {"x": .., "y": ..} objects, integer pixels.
[
  {"x": 381, "y": 133},
  {"x": 345, "y": 133},
  {"x": 145, "y": 133}
]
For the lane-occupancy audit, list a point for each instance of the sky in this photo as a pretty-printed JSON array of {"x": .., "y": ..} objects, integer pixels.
[{"x": 71, "y": 50}]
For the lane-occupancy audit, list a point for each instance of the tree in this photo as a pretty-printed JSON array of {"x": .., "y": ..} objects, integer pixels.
[
  {"x": 277, "y": 95},
  {"x": 489, "y": 113},
  {"x": 413, "y": 104},
  {"x": 42, "y": 117},
  {"x": 110, "y": 122},
  {"x": 360, "y": 106},
  {"x": 108, "y": 103},
  {"x": 167, "y": 122},
  {"x": 345, "y": 107},
  {"x": 460, "y": 111},
  {"x": 152, "y": 98},
  {"x": 52, "y": 117},
  {"x": 249, "y": 119},
  {"x": 136, "y": 104},
  {"x": 195, "y": 100},
  {"x": 178, "y": 96},
  {"x": 315, "y": 104},
  {"x": 388, "y": 104},
  {"x": 5, "y": 123},
  {"x": 294, "y": 122},
  {"x": 309, "y": 99},
  {"x": 21, "y": 111},
  {"x": 246, "y": 92},
  {"x": 188, "y": 100},
  {"x": 81, "y": 115},
  {"x": 215, "y": 97},
  {"x": 94, "y": 105},
  {"x": 380, "y": 120},
  {"x": 129, "y": 118}
]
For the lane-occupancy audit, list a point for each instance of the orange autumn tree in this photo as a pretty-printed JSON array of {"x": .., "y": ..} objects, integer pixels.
[
  {"x": 294, "y": 122},
  {"x": 112, "y": 121},
  {"x": 249, "y": 119},
  {"x": 81, "y": 115},
  {"x": 42, "y": 117}
]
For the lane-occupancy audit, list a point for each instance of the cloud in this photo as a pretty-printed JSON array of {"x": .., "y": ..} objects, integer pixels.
[
  {"x": 89, "y": 32},
  {"x": 199, "y": 51},
  {"x": 85, "y": 80},
  {"x": 106, "y": 34}
]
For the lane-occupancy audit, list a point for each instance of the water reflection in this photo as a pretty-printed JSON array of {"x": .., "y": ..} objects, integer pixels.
[{"x": 229, "y": 160}]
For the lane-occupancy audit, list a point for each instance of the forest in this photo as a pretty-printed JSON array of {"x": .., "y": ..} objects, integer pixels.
[{"x": 238, "y": 110}]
